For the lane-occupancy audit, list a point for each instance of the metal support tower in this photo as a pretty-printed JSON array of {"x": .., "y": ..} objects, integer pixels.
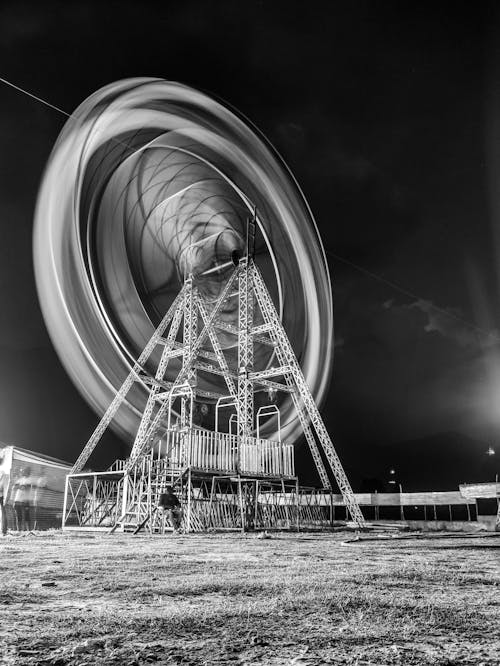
[{"x": 203, "y": 351}]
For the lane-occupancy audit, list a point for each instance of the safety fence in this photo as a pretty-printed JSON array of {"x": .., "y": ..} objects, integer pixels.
[{"x": 226, "y": 453}]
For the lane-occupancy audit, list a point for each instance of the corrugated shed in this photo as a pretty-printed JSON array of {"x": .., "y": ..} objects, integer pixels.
[{"x": 35, "y": 481}]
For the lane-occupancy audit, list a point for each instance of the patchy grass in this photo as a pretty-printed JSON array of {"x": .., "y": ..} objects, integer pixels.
[{"x": 234, "y": 599}]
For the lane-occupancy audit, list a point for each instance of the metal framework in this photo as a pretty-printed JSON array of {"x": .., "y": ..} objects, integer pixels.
[
  {"x": 229, "y": 502},
  {"x": 168, "y": 448}
]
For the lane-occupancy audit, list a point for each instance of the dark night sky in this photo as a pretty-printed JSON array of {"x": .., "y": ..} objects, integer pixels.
[{"x": 388, "y": 114}]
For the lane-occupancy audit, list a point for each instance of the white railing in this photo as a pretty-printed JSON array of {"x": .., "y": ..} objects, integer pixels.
[
  {"x": 206, "y": 450},
  {"x": 117, "y": 466},
  {"x": 212, "y": 450},
  {"x": 174, "y": 451},
  {"x": 261, "y": 456}
]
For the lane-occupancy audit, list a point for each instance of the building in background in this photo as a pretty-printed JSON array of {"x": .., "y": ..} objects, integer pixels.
[{"x": 34, "y": 488}]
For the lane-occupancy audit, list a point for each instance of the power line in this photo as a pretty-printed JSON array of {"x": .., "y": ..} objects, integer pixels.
[
  {"x": 52, "y": 106},
  {"x": 38, "y": 99}
]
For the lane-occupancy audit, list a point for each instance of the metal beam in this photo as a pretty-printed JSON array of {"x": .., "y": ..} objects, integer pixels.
[
  {"x": 208, "y": 367},
  {"x": 127, "y": 384},
  {"x": 276, "y": 386},
  {"x": 255, "y": 332},
  {"x": 270, "y": 372},
  {"x": 201, "y": 352},
  {"x": 263, "y": 328}
]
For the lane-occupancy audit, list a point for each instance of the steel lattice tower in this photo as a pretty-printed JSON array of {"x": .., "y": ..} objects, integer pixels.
[{"x": 182, "y": 320}]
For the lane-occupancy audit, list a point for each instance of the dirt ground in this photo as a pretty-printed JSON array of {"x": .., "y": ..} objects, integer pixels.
[{"x": 292, "y": 599}]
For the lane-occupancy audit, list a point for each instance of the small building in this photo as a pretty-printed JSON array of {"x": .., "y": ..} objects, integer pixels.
[{"x": 34, "y": 482}]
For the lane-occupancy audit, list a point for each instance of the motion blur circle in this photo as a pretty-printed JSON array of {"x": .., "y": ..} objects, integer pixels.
[{"x": 147, "y": 181}]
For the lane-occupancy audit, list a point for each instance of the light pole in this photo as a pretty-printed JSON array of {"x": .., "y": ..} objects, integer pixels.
[
  {"x": 392, "y": 482},
  {"x": 491, "y": 452}
]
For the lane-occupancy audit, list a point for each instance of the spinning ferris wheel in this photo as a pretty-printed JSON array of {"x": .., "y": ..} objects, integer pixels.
[
  {"x": 149, "y": 193},
  {"x": 143, "y": 170}
]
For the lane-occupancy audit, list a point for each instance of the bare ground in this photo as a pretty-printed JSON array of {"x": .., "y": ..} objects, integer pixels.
[{"x": 236, "y": 599}]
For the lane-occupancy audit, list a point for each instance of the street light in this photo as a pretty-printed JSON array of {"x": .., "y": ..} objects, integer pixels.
[{"x": 392, "y": 482}]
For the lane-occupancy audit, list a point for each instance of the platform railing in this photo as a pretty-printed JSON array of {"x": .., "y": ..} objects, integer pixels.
[
  {"x": 216, "y": 451},
  {"x": 95, "y": 499},
  {"x": 212, "y": 451},
  {"x": 223, "y": 452},
  {"x": 266, "y": 457}
]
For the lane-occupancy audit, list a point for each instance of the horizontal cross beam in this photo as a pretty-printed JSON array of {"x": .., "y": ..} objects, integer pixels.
[
  {"x": 230, "y": 328},
  {"x": 201, "y": 352},
  {"x": 276, "y": 386},
  {"x": 216, "y": 370},
  {"x": 270, "y": 372}
]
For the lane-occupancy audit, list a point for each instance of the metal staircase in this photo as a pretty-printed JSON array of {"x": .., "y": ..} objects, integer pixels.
[{"x": 142, "y": 498}]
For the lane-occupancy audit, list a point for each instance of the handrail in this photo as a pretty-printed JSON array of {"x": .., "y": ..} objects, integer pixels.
[
  {"x": 267, "y": 410},
  {"x": 223, "y": 452},
  {"x": 221, "y": 403}
]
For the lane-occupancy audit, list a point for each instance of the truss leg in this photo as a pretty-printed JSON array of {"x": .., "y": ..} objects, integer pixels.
[
  {"x": 126, "y": 386},
  {"x": 245, "y": 352},
  {"x": 287, "y": 512},
  {"x": 287, "y": 358},
  {"x": 188, "y": 368},
  {"x": 125, "y": 490},
  {"x": 210, "y": 521},
  {"x": 189, "y": 502},
  {"x": 304, "y": 421},
  {"x": 242, "y": 508},
  {"x": 297, "y": 501},
  {"x": 256, "y": 506},
  {"x": 160, "y": 373}
]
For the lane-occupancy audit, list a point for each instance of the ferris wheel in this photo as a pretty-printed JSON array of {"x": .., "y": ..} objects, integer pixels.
[{"x": 148, "y": 181}]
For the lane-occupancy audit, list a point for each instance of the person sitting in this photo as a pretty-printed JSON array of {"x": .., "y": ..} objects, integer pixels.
[{"x": 170, "y": 504}]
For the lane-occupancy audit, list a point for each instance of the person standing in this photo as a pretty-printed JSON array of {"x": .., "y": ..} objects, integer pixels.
[
  {"x": 23, "y": 498},
  {"x": 38, "y": 487},
  {"x": 4, "y": 483}
]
